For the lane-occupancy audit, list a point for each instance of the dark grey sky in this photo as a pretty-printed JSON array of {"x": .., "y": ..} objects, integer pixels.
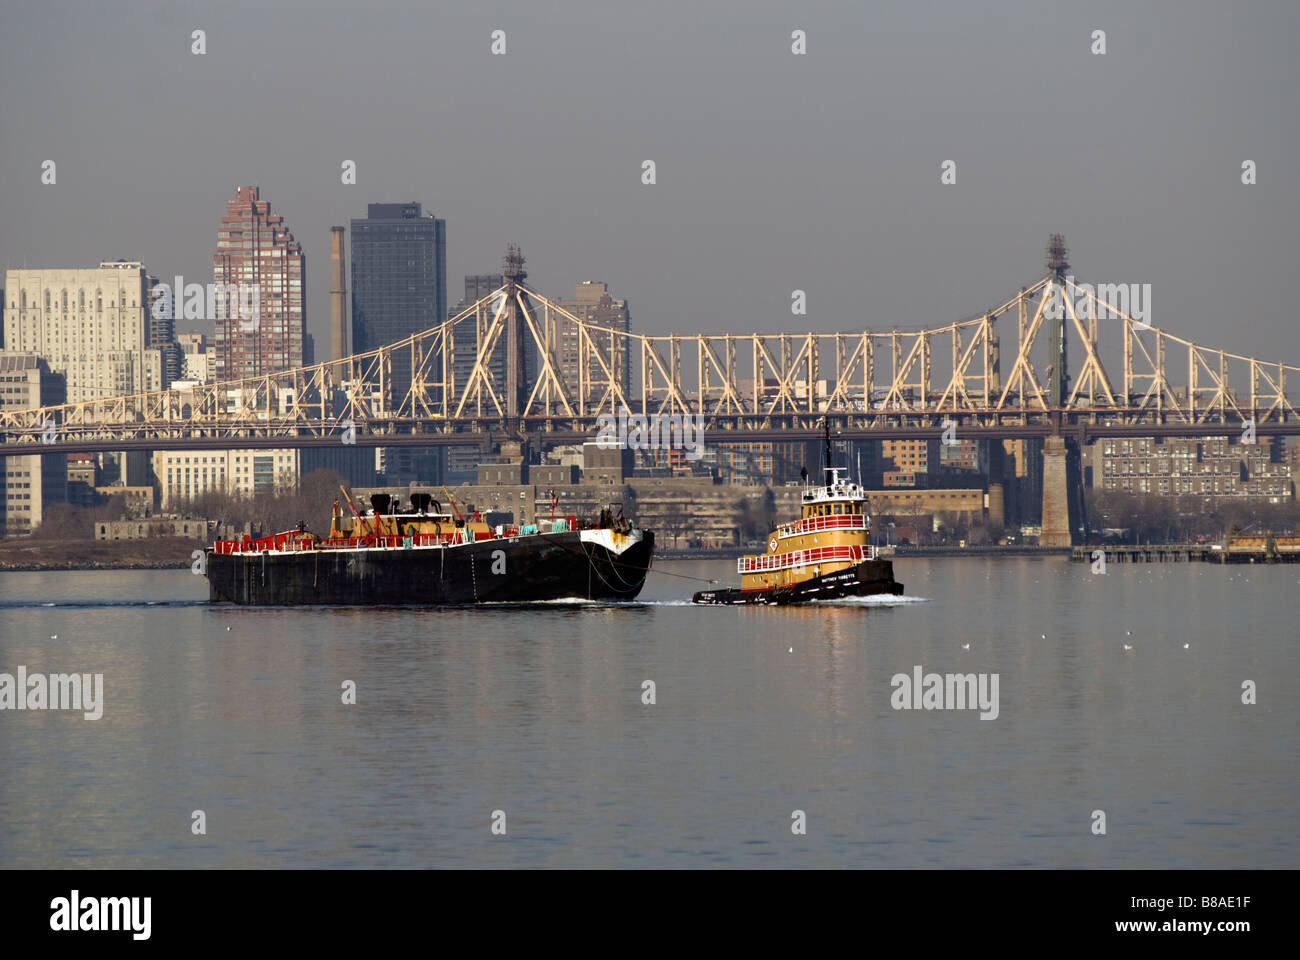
[{"x": 775, "y": 171}]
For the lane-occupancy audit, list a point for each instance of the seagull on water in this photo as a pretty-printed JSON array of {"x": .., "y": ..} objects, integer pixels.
[
  {"x": 965, "y": 646},
  {"x": 1128, "y": 646}
]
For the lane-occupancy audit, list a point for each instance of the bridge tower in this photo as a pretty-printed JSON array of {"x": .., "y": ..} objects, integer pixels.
[
  {"x": 513, "y": 273},
  {"x": 1058, "y": 376},
  {"x": 1062, "y": 512}
]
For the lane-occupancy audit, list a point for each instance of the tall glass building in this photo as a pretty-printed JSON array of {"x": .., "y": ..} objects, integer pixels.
[
  {"x": 477, "y": 286},
  {"x": 399, "y": 280}
]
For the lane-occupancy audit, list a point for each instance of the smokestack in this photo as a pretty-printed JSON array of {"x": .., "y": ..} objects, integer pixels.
[{"x": 338, "y": 305}]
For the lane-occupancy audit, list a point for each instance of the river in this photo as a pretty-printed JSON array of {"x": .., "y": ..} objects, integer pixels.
[{"x": 772, "y": 740}]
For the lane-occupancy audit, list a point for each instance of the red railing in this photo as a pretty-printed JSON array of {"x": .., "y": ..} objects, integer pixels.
[
  {"x": 281, "y": 545},
  {"x": 844, "y": 521},
  {"x": 802, "y": 558},
  {"x": 289, "y": 540},
  {"x": 293, "y": 540}
]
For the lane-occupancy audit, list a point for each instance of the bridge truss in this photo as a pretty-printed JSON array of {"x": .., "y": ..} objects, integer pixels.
[{"x": 743, "y": 383}]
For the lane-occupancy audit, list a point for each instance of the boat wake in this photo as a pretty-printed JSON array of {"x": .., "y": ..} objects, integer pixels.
[{"x": 879, "y": 600}]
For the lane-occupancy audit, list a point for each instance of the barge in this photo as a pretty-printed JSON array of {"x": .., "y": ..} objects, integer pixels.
[{"x": 421, "y": 556}]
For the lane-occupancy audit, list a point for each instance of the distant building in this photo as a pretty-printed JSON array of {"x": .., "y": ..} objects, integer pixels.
[
  {"x": 863, "y": 460},
  {"x": 199, "y": 367},
  {"x": 502, "y": 473},
  {"x": 91, "y": 325},
  {"x": 411, "y": 464},
  {"x": 185, "y": 474},
  {"x": 593, "y": 304},
  {"x": 255, "y": 247},
  {"x": 192, "y": 341},
  {"x": 162, "y": 336},
  {"x": 740, "y": 464},
  {"x": 968, "y": 505},
  {"x": 136, "y": 501},
  {"x": 909, "y": 456},
  {"x": 465, "y": 337},
  {"x": 399, "y": 281},
  {"x": 81, "y": 479},
  {"x": 198, "y": 357},
  {"x": 606, "y": 465},
  {"x": 125, "y": 468},
  {"x": 462, "y": 463},
  {"x": 34, "y": 481},
  {"x": 1023, "y": 479},
  {"x": 672, "y": 461},
  {"x": 892, "y": 479},
  {"x": 399, "y": 288},
  {"x": 189, "y": 528},
  {"x": 1207, "y": 467},
  {"x": 516, "y": 473},
  {"x": 465, "y": 334},
  {"x": 964, "y": 454}
]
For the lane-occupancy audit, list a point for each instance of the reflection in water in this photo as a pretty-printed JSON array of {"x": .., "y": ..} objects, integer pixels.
[{"x": 758, "y": 711}]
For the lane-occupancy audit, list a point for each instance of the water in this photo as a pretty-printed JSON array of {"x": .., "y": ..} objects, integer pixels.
[{"x": 759, "y": 712}]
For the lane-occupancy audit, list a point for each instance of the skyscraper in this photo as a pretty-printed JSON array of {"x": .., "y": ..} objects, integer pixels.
[
  {"x": 465, "y": 337},
  {"x": 162, "y": 337},
  {"x": 31, "y": 482},
  {"x": 399, "y": 281},
  {"x": 255, "y": 250},
  {"x": 93, "y": 326},
  {"x": 593, "y": 305}
]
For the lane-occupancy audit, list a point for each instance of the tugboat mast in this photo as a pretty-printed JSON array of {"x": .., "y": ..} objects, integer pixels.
[{"x": 826, "y": 425}]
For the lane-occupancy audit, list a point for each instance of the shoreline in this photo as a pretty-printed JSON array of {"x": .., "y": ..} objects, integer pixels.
[
  {"x": 34, "y": 556},
  {"x": 30, "y": 556},
  {"x": 886, "y": 554}
]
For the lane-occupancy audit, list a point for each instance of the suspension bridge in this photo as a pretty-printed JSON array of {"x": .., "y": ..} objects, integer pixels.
[{"x": 748, "y": 387}]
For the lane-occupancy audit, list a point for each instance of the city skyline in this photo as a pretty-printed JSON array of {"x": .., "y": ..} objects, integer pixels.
[{"x": 797, "y": 198}]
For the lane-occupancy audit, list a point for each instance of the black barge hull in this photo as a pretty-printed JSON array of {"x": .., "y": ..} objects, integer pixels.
[
  {"x": 868, "y": 578},
  {"x": 507, "y": 570}
]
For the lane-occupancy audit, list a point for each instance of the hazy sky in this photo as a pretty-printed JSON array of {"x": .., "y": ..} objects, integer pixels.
[{"x": 775, "y": 171}]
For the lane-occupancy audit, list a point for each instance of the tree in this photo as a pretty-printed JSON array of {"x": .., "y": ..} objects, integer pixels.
[
  {"x": 272, "y": 512},
  {"x": 769, "y": 509},
  {"x": 675, "y": 525},
  {"x": 62, "y": 521},
  {"x": 756, "y": 520}
]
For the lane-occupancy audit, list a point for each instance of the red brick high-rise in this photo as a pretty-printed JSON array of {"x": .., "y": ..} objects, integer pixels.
[{"x": 254, "y": 247}]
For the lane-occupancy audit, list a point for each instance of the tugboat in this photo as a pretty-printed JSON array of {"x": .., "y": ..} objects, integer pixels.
[
  {"x": 422, "y": 556},
  {"x": 824, "y": 555}
]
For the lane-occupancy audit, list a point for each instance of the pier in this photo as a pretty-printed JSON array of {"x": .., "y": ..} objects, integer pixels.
[{"x": 1237, "y": 550}]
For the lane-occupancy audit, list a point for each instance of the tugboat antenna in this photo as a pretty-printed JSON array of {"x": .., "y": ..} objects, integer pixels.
[{"x": 826, "y": 424}]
